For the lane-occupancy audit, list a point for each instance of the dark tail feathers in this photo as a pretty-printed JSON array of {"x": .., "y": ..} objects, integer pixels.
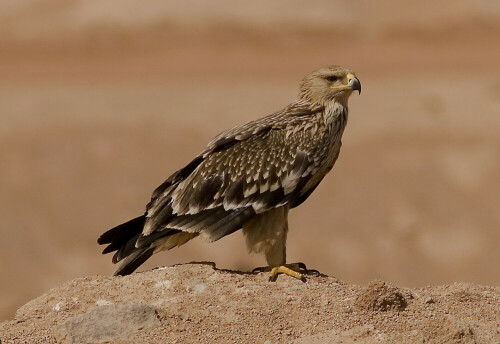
[
  {"x": 122, "y": 239},
  {"x": 134, "y": 260}
]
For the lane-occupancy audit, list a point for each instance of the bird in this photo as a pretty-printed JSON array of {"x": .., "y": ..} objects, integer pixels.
[{"x": 248, "y": 178}]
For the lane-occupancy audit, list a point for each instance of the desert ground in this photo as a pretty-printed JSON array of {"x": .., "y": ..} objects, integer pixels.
[
  {"x": 101, "y": 101},
  {"x": 198, "y": 303}
]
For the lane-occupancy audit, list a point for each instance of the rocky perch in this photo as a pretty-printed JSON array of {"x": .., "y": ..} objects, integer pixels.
[{"x": 198, "y": 303}]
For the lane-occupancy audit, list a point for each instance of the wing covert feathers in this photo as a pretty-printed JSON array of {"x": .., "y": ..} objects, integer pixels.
[{"x": 245, "y": 171}]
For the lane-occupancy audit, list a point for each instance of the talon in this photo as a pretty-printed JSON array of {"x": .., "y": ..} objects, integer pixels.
[
  {"x": 302, "y": 266},
  {"x": 258, "y": 270}
]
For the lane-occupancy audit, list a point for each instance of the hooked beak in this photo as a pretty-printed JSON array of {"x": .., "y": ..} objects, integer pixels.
[{"x": 353, "y": 83}]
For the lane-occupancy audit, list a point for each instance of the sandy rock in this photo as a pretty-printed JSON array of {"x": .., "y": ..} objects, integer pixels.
[
  {"x": 381, "y": 296},
  {"x": 106, "y": 323},
  {"x": 198, "y": 303}
]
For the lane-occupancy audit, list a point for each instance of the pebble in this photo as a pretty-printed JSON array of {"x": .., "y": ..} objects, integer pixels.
[
  {"x": 429, "y": 300},
  {"x": 59, "y": 306}
]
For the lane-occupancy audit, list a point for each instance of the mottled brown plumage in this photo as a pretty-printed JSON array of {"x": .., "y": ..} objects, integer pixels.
[{"x": 248, "y": 177}]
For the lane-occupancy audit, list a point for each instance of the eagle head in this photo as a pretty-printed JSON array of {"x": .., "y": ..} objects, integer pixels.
[{"x": 329, "y": 84}]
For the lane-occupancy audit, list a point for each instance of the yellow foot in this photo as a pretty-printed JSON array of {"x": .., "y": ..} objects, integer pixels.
[{"x": 294, "y": 270}]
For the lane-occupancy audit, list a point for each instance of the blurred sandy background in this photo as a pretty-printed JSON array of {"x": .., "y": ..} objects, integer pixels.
[{"x": 101, "y": 100}]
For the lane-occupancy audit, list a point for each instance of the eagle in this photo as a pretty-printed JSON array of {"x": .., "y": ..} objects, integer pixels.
[{"x": 248, "y": 178}]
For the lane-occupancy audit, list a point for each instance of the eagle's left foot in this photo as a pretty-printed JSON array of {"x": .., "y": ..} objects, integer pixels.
[{"x": 295, "y": 270}]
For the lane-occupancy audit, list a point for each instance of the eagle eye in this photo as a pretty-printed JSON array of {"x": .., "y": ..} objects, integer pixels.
[{"x": 331, "y": 78}]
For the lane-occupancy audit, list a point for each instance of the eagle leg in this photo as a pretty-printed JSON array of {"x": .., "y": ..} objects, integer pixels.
[{"x": 294, "y": 270}]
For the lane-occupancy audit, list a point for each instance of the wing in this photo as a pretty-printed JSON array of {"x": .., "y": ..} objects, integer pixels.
[{"x": 243, "y": 172}]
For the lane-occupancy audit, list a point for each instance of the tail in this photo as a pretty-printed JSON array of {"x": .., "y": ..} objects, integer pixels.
[
  {"x": 122, "y": 239},
  {"x": 134, "y": 248}
]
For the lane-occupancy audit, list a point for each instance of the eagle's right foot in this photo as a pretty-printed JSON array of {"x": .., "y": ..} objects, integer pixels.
[{"x": 294, "y": 270}]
